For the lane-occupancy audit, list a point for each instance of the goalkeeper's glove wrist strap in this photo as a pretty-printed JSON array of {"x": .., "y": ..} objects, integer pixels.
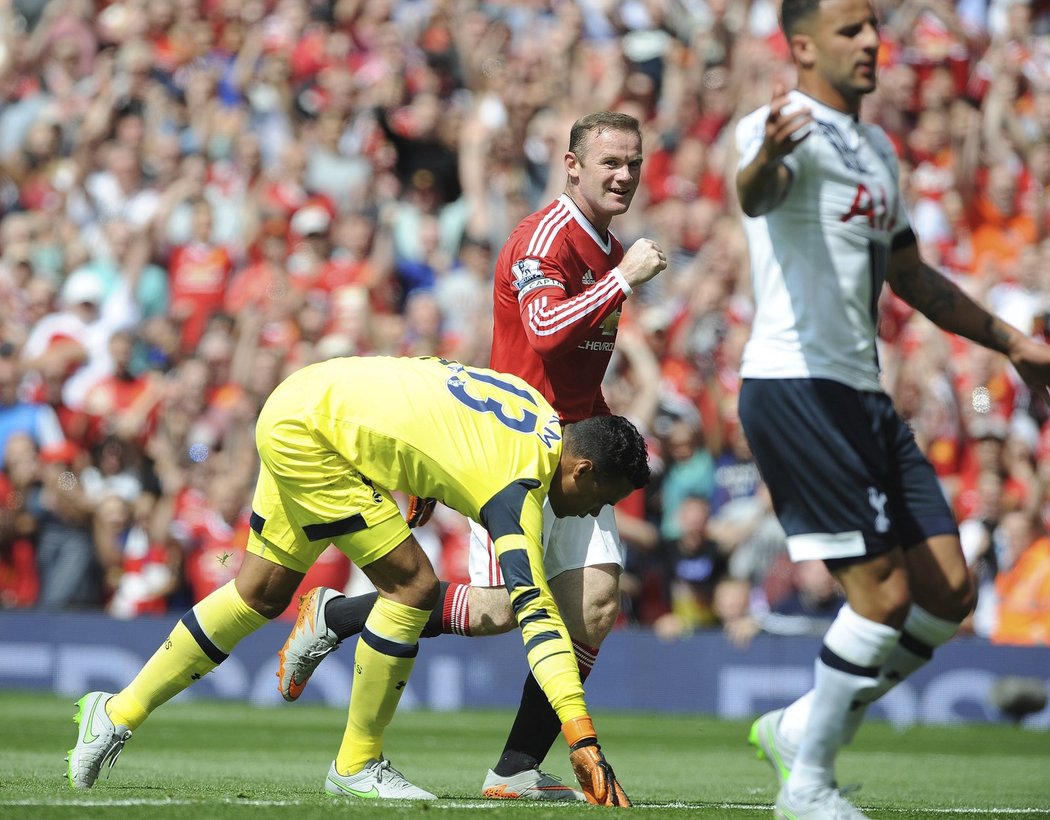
[{"x": 579, "y": 732}]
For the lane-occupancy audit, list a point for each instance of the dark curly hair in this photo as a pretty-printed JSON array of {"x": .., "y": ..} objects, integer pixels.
[{"x": 613, "y": 445}]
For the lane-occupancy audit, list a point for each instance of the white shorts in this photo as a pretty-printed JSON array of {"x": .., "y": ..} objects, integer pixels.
[{"x": 568, "y": 543}]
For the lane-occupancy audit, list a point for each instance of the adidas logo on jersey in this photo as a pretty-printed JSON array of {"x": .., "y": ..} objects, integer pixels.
[{"x": 588, "y": 277}]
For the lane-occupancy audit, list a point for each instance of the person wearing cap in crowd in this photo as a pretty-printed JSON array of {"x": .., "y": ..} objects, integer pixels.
[{"x": 76, "y": 339}]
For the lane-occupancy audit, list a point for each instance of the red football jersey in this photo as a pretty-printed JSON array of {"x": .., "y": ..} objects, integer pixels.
[{"x": 556, "y": 308}]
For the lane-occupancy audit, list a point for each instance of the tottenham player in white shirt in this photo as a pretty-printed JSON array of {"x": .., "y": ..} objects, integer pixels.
[{"x": 826, "y": 227}]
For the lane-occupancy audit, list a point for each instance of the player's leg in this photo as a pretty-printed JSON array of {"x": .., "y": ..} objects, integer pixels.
[
  {"x": 279, "y": 553},
  {"x": 200, "y": 641},
  {"x": 383, "y": 660},
  {"x": 942, "y": 596},
  {"x": 855, "y": 647},
  {"x": 940, "y": 582},
  {"x": 327, "y": 618},
  {"x": 827, "y": 459},
  {"x": 588, "y": 598}
]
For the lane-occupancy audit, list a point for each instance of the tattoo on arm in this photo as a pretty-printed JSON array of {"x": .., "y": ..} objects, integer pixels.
[
  {"x": 928, "y": 292},
  {"x": 943, "y": 303},
  {"x": 996, "y": 336}
]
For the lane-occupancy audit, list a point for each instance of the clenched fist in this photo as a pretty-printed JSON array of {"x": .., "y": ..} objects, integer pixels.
[{"x": 643, "y": 260}]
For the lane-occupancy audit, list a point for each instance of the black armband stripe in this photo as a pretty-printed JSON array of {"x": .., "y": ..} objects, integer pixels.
[
  {"x": 547, "y": 658},
  {"x": 517, "y": 571},
  {"x": 532, "y": 617},
  {"x": 915, "y": 646}
]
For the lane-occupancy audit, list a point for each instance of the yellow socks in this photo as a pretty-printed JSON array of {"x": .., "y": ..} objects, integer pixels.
[
  {"x": 386, "y": 653},
  {"x": 199, "y": 642}
]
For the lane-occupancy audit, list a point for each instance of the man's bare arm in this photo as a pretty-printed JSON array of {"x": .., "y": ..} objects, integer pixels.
[{"x": 947, "y": 306}]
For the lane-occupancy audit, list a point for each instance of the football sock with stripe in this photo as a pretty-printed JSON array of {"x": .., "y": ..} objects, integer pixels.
[
  {"x": 199, "y": 642},
  {"x": 855, "y": 648},
  {"x": 536, "y": 726},
  {"x": 383, "y": 661},
  {"x": 921, "y": 634},
  {"x": 347, "y": 616}
]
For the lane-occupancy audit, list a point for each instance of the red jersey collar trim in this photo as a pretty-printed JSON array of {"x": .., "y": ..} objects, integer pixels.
[{"x": 605, "y": 244}]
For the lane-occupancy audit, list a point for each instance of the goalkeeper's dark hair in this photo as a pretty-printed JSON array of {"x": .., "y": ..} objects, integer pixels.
[
  {"x": 597, "y": 123},
  {"x": 793, "y": 12},
  {"x": 613, "y": 445}
]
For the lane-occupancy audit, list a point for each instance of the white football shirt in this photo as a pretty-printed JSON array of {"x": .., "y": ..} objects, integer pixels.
[{"x": 818, "y": 258}]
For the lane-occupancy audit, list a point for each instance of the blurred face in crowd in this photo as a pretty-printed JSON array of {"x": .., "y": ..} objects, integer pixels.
[
  {"x": 9, "y": 378},
  {"x": 121, "y": 346},
  {"x": 20, "y": 460},
  {"x": 693, "y": 516},
  {"x": 124, "y": 166},
  {"x": 835, "y": 49},
  {"x": 42, "y": 141},
  {"x": 202, "y": 221},
  {"x": 604, "y": 174}
]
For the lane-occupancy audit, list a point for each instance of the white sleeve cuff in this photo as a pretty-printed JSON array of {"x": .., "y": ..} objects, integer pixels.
[{"x": 627, "y": 289}]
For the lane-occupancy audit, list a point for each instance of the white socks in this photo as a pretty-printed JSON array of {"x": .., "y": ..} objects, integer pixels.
[
  {"x": 847, "y": 672},
  {"x": 922, "y": 633}
]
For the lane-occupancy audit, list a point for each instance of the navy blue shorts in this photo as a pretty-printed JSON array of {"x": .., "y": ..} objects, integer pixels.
[{"x": 847, "y": 479}]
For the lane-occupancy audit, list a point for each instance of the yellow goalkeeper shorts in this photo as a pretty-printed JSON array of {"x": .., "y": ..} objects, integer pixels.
[{"x": 309, "y": 496}]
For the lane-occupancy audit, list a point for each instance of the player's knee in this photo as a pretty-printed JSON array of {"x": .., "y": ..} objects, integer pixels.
[
  {"x": 958, "y": 598},
  {"x": 886, "y": 604},
  {"x": 425, "y": 590},
  {"x": 269, "y": 605},
  {"x": 490, "y": 611},
  {"x": 600, "y": 617}
]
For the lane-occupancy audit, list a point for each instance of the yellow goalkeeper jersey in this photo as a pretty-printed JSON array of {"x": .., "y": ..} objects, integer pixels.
[{"x": 484, "y": 443}]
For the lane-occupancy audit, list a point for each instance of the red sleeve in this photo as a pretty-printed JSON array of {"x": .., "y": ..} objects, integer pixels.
[{"x": 555, "y": 323}]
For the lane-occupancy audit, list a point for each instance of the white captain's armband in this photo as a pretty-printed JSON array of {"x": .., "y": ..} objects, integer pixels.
[{"x": 528, "y": 275}]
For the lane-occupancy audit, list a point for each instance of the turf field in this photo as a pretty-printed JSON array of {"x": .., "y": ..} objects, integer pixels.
[{"x": 207, "y": 760}]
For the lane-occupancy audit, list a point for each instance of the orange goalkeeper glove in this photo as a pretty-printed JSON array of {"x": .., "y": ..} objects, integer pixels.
[
  {"x": 592, "y": 770},
  {"x": 419, "y": 510}
]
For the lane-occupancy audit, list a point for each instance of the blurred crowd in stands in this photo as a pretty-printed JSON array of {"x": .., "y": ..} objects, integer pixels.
[{"x": 199, "y": 196}]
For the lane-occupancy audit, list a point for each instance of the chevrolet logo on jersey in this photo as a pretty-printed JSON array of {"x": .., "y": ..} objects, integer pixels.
[{"x": 528, "y": 276}]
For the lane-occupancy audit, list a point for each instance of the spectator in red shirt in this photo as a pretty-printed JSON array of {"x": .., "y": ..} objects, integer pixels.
[
  {"x": 123, "y": 404},
  {"x": 199, "y": 272}
]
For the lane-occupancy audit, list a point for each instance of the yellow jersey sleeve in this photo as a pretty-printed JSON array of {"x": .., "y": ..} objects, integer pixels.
[{"x": 514, "y": 519}]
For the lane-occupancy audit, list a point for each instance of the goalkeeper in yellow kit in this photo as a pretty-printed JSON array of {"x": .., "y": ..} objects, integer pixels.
[{"x": 335, "y": 439}]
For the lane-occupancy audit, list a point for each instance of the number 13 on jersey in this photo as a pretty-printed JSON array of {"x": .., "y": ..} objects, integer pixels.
[{"x": 512, "y": 405}]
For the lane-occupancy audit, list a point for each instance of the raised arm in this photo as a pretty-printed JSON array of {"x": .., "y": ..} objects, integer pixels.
[
  {"x": 556, "y": 323},
  {"x": 764, "y": 181}
]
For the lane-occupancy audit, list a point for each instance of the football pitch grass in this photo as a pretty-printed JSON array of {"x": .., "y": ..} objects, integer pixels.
[{"x": 210, "y": 759}]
